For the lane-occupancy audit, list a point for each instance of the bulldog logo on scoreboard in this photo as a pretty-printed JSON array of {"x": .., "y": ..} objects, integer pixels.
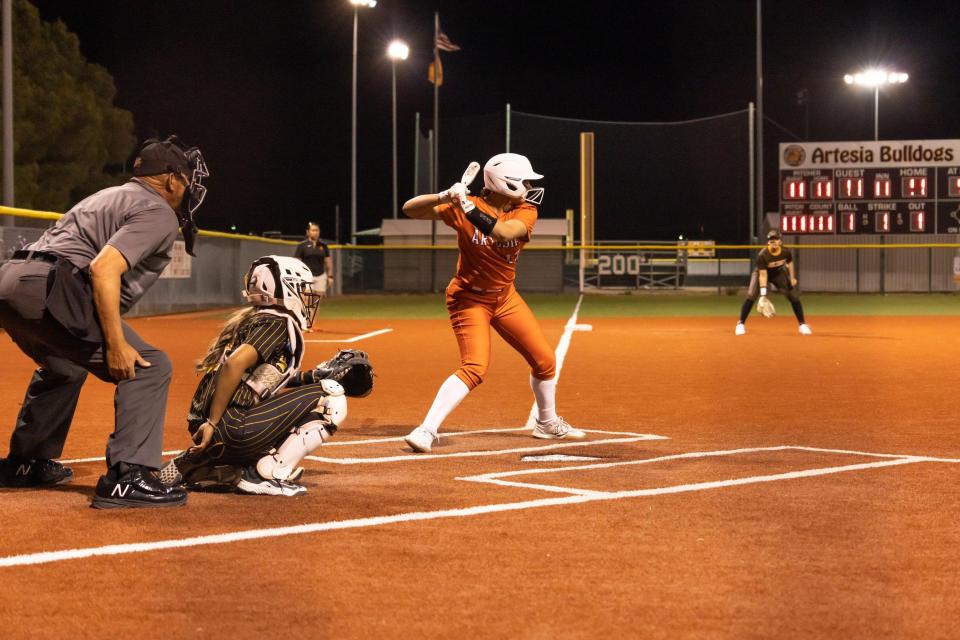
[{"x": 794, "y": 155}]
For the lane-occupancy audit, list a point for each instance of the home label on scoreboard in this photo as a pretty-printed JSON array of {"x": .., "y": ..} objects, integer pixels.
[{"x": 904, "y": 186}]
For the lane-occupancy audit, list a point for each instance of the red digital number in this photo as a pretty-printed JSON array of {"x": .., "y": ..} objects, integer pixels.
[
  {"x": 851, "y": 188},
  {"x": 917, "y": 221},
  {"x": 881, "y": 188},
  {"x": 882, "y": 224},
  {"x": 953, "y": 187},
  {"x": 794, "y": 189},
  {"x": 849, "y": 223},
  {"x": 915, "y": 187},
  {"x": 823, "y": 188}
]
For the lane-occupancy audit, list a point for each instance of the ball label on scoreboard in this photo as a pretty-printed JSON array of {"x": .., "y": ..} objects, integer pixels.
[{"x": 908, "y": 186}]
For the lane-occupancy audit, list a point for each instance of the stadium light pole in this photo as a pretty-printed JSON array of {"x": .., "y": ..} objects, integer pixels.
[
  {"x": 875, "y": 78},
  {"x": 398, "y": 50},
  {"x": 353, "y": 121}
]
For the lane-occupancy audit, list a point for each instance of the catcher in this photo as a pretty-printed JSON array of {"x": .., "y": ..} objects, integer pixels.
[
  {"x": 255, "y": 415},
  {"x": 774, "y": 266}
]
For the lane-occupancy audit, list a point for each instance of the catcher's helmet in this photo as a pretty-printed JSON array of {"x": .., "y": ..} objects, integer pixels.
[
  {"x": 281, "y": 281},
  {"x": 509, "y": 174},
  {"x": 774, "y": 234}
]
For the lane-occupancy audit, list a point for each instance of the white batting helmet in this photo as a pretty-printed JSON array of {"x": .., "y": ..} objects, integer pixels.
[
  {"x": 282, "y": 281},
  {"x": 508, "y": 174}
]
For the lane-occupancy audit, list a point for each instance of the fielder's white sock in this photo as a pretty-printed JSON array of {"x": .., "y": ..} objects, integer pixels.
[
  {"x": 545, "y": 391},
  {"x": 451, "y": 393}
]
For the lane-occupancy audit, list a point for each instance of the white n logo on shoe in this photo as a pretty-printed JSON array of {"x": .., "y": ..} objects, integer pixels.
[
  {"x": 120, "y": 489},
  {"x": 23, "y": 469}
]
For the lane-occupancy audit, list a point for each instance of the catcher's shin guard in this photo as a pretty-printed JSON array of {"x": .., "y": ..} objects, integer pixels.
[
  {"x": 330, "y": 413},
  {"x": 281, "y": 463}
]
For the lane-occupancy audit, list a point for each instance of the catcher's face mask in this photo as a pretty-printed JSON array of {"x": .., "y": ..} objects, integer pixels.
[{"x": 173, "y": 156}]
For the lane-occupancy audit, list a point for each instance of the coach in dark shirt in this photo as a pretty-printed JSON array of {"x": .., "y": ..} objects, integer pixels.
[{"x": 316, "y": 255}]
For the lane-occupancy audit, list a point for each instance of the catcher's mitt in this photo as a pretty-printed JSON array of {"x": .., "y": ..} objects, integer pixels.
[
  {"x": 765, "y": 307},
  {"x": 351, "y": 368}
]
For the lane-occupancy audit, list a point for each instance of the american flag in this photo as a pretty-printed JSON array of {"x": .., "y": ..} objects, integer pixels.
[{"x": 443, "y": 43}]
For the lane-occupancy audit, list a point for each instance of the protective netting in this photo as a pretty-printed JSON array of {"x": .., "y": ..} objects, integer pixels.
[
  {"x": 653, "y": 180},
  {"x": 656, "y": 180}
]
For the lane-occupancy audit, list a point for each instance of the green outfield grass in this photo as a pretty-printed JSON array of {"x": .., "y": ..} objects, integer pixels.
[
  {"x": 682, "y": 305},
  {"x": 426, "y": 306}
]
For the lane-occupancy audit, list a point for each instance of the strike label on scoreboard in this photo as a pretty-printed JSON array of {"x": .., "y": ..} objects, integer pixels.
[{"x": 905, "y": 186}]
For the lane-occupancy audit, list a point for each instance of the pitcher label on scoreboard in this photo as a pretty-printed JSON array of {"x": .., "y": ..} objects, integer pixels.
[{"x": 907, "y": 186}]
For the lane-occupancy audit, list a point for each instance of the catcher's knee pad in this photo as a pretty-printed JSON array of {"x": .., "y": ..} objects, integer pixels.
[
  {"x": 322, "y": 423},
  {"x": 333, "y": 406},
  {"x": 280, "y": 463}
]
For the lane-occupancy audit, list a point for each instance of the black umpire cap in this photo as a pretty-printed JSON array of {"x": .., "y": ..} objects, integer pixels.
[
  {"x": 161, "y": 156},
  {"x": 774, "y": 234}
]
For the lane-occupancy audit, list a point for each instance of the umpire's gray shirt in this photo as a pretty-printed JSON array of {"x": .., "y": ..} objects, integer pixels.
[{"x": 134, "y": 219}]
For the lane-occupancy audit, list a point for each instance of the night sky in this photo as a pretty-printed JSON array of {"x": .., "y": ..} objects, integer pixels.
[{"x": 263, "y": 87}]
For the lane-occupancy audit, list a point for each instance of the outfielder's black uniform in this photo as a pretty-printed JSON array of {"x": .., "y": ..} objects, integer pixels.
[
  {"x": 777, "y": 275},
  {"x": 248, "y": 430}
]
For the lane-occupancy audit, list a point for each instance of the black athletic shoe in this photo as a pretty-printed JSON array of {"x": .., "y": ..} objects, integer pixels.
[
  {"x": 24, "y": 474},
  {"x": 133, "y": 486}
]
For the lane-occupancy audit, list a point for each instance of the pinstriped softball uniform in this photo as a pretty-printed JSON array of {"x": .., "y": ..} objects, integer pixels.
[{"x": 248, "y": 430}]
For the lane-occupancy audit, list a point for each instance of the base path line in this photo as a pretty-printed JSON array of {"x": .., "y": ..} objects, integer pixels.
[
  {"x": 413, "y": 457},
  {"x": 561, "y": 353},
  {"x": 356, "y": 338},
  {"x": 45, "y": 557}
]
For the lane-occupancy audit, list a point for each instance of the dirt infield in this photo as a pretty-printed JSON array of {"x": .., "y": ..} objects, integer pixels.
[{"x": 769, "y": 485}]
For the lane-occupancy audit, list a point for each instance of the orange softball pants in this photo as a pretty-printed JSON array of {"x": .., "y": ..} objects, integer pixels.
[{"x": 473, "y": 313}]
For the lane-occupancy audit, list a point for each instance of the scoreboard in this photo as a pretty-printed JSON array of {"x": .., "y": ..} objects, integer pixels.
[{"x": 904, "y": 186}]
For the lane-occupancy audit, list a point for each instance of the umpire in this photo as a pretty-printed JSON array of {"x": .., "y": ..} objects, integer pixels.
[{"x": 61, "y": 299}]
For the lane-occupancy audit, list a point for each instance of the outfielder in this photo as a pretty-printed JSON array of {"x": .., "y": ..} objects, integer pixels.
[
  {"x": 774, "y": 266},
  {"x": 254, "y": 415},
  {"x": 491, "y": 231}
]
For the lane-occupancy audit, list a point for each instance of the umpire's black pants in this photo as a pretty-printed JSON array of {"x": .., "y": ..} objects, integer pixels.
[{"x": 64, "y": 360}]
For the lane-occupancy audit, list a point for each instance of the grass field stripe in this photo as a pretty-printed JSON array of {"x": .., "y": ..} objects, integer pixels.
[
  {"x": 409, "y": 457},
  {"x": 357, "y": 338},
  {"x": 45, "y": 557},
  {"x": 560, "y": 354}
]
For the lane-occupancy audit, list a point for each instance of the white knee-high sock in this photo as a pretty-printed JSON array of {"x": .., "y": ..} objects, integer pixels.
[
  {"x": 545, "y": 391},
  {"x": 451, "y": 393}
]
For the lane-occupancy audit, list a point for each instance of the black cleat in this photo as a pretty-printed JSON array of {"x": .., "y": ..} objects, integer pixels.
[
  {"x": 132, "y": 487},
  {"x": 23, "y": 473}
]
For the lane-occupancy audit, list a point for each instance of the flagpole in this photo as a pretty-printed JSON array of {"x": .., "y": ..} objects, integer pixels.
[
  {"x": 436, "y": 146},
  {"x": 436, "y": 102}
]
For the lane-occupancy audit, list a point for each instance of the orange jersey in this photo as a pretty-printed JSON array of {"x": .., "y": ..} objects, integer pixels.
[{"x": 485, "y": 263}]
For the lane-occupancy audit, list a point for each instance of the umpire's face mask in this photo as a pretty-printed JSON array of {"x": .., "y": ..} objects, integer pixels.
[{"x": 193, "y": 196}]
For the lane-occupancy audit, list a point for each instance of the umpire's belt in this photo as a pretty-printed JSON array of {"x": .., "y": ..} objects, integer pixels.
[{"x": 35, "y": 255}]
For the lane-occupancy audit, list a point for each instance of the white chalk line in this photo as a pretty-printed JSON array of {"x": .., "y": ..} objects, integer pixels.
[
  {"x": 415, "y": 457},
  {"x": 355, "y": 338},
  {"x": 561, "y": 353},
  {"x": 628, "y": 436},
  {"x": 45, "y": 557},
  {"x": 497, "y": 477}
]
